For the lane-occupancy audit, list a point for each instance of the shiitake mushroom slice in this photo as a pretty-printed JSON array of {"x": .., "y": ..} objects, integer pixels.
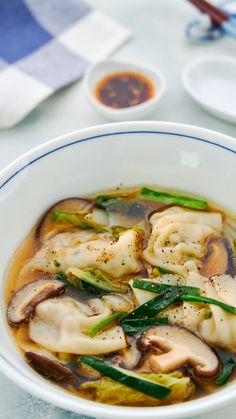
[
  {"x": 47, "y": 227},
  {"x": 129, "y": 357},
  {"x": 218, "y": 259},
  {"x": 23, "y": 302},
  {"x": 50, "y": 368},
  {"x": 179, "y": 346}
]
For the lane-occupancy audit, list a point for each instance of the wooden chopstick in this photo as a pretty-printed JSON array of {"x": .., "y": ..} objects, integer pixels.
[{"x": 217, "y": 16}]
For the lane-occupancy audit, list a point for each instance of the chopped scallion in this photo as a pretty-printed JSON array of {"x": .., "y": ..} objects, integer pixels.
[
  {"x": 140, "y": 325},
  {"x": 104, "y": 323},
  {"x": 224, "y": 375},
  {"x": 155, "y": 305},
  {"x": 205, "y": 300},
  {"x": 159, "y": 287},
  {"x": 128, "y": 378},
  {"x": 170, "y": 199}
]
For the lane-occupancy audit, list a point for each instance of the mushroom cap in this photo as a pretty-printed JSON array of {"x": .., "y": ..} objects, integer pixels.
[
  {"x": 218, "y": 259},
  {"x": 23, "y": 302},
  {"x": 48, "y": 228},
  {"x": 179, "y": 346},
  {"x": 130, "y": 356},
  {"x": 49, "y": 368}
]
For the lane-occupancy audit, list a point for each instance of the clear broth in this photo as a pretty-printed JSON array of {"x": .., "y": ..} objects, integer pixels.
[{"x": 16, "y": 280}]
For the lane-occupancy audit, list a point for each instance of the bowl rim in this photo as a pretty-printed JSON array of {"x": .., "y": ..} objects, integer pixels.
[
  {"x": 62, "y": 398},
  {"x": 132, "y": 109}
]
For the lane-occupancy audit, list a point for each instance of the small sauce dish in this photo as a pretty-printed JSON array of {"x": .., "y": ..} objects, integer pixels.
[
  {"x": 211, "y": 82},
  {"x": 123, "y": 91}
]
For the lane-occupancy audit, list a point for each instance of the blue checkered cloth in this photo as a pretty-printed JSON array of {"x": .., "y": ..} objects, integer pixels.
[{"x": 45, "y": 45}]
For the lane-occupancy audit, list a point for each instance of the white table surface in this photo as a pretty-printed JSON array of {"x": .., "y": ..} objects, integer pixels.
[{"x": 158, "y": 39}]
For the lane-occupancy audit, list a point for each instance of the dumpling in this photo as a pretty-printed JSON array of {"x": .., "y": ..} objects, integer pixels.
[
  {"x": 211, "y": 322},
  {"x": 194, "y": 313},
  {"x": 220, "y": 328},
  {"x": 83, "y": 249},
  {"x": 60, "y": 325},
  {"x": 178, "y": 237}
]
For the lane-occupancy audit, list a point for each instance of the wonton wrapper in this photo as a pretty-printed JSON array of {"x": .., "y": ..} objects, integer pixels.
[
  {"x": 60, "y": 325},
  {"x": 178, "y": 238},
  {"x": 83, "y": 249}
]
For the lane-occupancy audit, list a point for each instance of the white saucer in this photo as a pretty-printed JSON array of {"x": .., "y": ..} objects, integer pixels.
[
  {"x": 212, "y": 83},
  {"x": 103, "y": 68}
]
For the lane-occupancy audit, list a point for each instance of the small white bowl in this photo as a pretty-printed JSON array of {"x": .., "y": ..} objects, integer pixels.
[
  {"x": 97, "y": 71},
  {"x": 212, "y": 83}
]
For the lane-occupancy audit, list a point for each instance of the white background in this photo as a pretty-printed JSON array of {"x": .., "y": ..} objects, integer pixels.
[{"x": 158, "y": 39}]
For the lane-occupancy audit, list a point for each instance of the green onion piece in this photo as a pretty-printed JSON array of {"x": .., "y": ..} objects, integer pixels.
[
  {"x": 140, "y": 325},
  {"x": 61, "y": 276},
  {"x": 208, "y": 315},
  {"x": 200, "y": 299},
  {"x": 191, "y": 293},
  {"x": 90, "y": 289},
  {"x": 157, "y": 288},
  {"x": 84, "y": 290},
  {"x": 234, "y": 243},
  {"x": 224, "y": 375},
  {"x": 128, "y": 378},
  {"x": 169, "y": 199},
  {"x": 159, "y": 270},
  {"x": 104, "y": 201},
  {"x": 104, "y": 323},
  {"x": 156, "y": 304},
  {"x": 156, "y": 272},
  {"x": 116, "y": 231},
  {"x": 56, "y": 263},
  {"x": 78, "y": 220},
  {"x": 93, "y": 277},
  {"x": 85, "y": 223}
]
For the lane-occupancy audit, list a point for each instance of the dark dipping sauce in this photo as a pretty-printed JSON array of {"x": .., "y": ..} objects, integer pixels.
[{"x": 122, "y": 90}]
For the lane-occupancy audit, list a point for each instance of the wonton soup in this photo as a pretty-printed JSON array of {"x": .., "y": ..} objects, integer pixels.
[{"x": 128, "y": 297}]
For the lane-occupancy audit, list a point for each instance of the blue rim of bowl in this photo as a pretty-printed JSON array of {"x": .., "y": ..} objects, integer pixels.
[
  {"x": 110, "y": 135},
  {"x": 100, "y": 136}
]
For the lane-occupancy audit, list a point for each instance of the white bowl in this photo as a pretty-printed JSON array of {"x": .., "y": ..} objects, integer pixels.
[
  {"x": 97, "y": 71},
  {"x": 167, "y": 154},
  {"x": 211, "y": 82}
]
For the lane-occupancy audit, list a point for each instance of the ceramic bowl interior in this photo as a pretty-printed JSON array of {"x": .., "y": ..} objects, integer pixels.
[{"x": 170, "y": 155}]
